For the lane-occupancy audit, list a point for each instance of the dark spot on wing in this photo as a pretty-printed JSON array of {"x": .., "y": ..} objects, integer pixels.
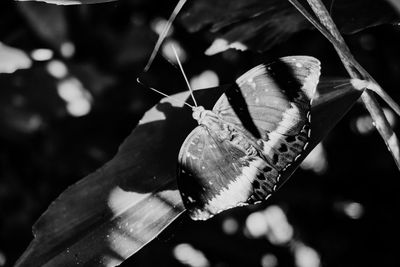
[
  {"x": 267, "y": 169},
  {"x": 302, "y": 138},
  {"x": 256, "y": 184},
  {"x": 241, "y": 109},
  {"x": 261, "y": 177},
  {"x": 275, "y": 158},
  {"x": 290, "y": 139},
  {"x": 283, "y": 148},
  {"x": 285, "y": 78}
]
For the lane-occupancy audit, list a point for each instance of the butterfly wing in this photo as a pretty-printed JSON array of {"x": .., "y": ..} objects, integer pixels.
[
  {"x": 273, "y": 103},
  {"x": 268, "y": 109},
  {"x": 215, "y": 176}
]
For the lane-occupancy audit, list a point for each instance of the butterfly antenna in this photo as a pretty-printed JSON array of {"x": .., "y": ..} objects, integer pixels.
[
  {"x": 163, "y": 94},
  {"x": 184, "y": 75},
  {"x": 164, "y": 33},
  {"x": 342, "y": 85}
]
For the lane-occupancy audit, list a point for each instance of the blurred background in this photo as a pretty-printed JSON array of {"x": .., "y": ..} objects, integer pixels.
[{"x": 69, "y": 97}]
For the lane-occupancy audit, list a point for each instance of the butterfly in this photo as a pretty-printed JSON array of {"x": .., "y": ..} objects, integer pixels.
[{"x": 255, "y": 131}]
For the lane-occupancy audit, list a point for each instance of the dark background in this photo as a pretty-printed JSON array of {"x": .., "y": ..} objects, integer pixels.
[{"x": 343, "y": 214}]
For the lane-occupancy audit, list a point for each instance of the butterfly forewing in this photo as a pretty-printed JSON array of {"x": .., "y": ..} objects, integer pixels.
[
  {"x": 278, "y": 99},
  {"x": 261, "y": 126},
  {"x": 270, "y": 91}
]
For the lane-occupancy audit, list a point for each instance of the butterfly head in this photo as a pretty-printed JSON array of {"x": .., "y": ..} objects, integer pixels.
[
  {"x": 205, "y": 117},
  {"x": 199, "y": 113}
]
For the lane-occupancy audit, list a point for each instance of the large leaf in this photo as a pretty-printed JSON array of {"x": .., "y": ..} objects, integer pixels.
[
  {"x": 113, "y": 212},
  {"x": 261, "y": 24},
  {"x": 69, "y": 2}
]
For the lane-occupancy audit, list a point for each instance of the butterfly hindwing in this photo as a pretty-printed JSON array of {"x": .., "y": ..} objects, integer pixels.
[{"x": 215, "y": 176}]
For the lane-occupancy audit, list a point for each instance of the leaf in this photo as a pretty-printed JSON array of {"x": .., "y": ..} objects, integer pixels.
[
  {"x": 115, "y": 211},
  {"x": 330, "y": 104},
  {"x": 47, "y": 21},
  {"x": 261, "y": 24},
  {"x": 354, "y": 16},
  {"x": 13, "y": 59},
  {"x": 69, "y": 2}
]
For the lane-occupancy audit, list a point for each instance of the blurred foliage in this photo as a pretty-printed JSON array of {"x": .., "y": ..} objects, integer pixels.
[
  {"x": 49, "y": 140},
  {"x": 261, "y": 24}
]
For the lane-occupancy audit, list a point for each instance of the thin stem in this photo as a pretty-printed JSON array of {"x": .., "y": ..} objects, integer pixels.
[
  {"x": 164, "y": 33},
  {"x": 344, "y": 52},
  {"x": 314, "y": 22},
  {"x": 382, "y": 125},
  {"x": 347, "y": 58},
  {"x": 355, "y": 70}
]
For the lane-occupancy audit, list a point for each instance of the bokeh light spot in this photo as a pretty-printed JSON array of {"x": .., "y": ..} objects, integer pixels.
[
  {"x": 13, "y": 59},
  {"x": 316, "y": 161},
  {"x": 354, "y": 210},
  {"x": 78, "y": 98},
  {"x": 256, "y": 225},
  {"x": 79, "y": 107},
  {"x": 306, "y": 256},
  {"x": 188, "y": 255},
  {"x": 280, "y": 231},
  {"x": 351, "y": 209},
  {"x": 67, "y": 49},
  {"x": 206, "y": 79},
  {"x": 230, "y": 226},
  {"x": 42, "y": 54},
  {"x": 158, "y": 25},
  {"x": 219, "y": 45},
  {"x": 3, "y": 259},
  {"x": 269, "y": 260},
  {"x": 57, "y": 69},
  {"x": 168, "y": 52},
  {"x": 364, "y": 124}
]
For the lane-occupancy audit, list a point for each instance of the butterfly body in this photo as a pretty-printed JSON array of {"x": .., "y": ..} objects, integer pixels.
[{"x": 256, "y": 130}]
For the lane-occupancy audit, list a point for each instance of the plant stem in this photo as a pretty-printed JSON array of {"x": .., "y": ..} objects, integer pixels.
[{"x": 355, "y": 70}]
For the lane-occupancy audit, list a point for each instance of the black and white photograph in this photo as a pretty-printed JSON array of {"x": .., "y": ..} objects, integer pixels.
[{"x": 199, "y": 133}]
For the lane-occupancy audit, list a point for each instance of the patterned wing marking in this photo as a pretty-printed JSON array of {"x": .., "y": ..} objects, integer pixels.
[
  {"x": 285, "y": 122},
  {"x": 264, "y": 184},
  {"x": 216, "y": 175},
  {"x": 290, "y": 81},
  {"x": 283, "y": 150},
  {"x": 278, "y": 98}
]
